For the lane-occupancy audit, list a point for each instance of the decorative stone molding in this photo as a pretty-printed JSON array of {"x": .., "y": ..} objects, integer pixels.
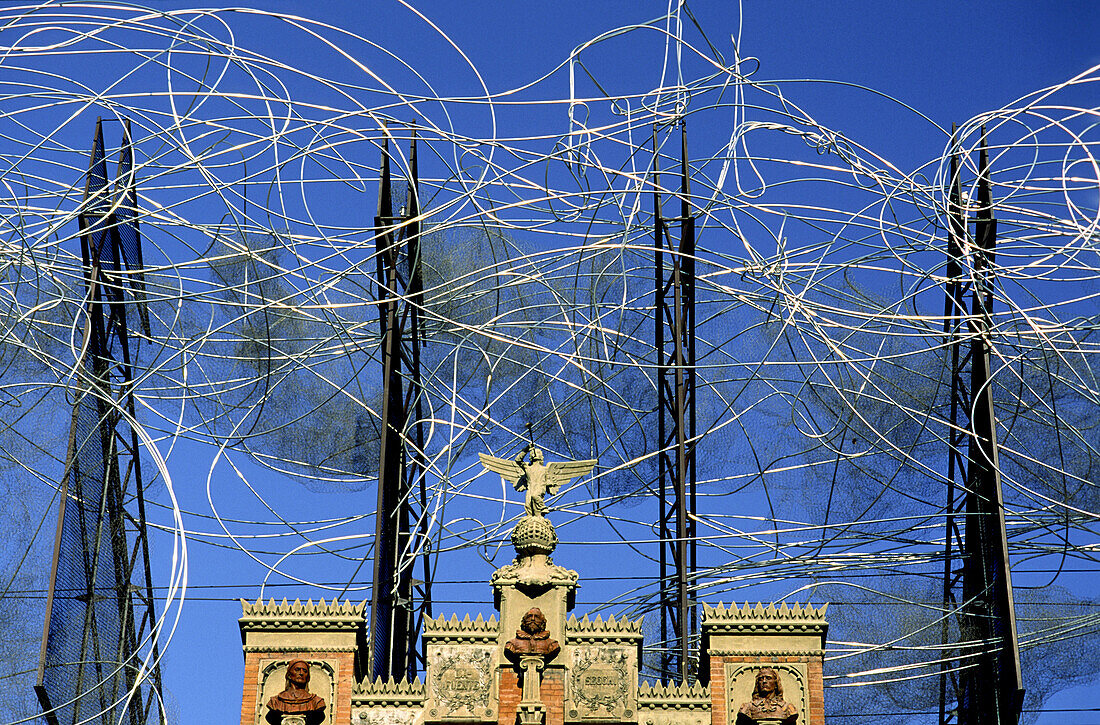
[
  {"x": 374, "y": 715},
  {"x": 597, "y": 630},
  {"x": 673, "y": 717},
  {"x": 334, "y": 615},
  {"x": 389, "y": 693},
  {"x": 757, "y": 653},
  {"x": 441, "y": 629},
  {"x": 659, "y": 696},
  {"x": 534, "y": 575},
  {"x": 770, "y": 619}
]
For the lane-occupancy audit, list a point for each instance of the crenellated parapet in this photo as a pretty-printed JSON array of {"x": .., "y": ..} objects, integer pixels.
[
  {"x": 388, "y": 702},
  {"x": 268, "y": 616},
  {"x": 389, "y": 693},
  {"x": 682, "y": 696},
  {"x": 597, "y": 630},
  {"x": 674, "y": 704},
  {"x": 752, "y": 618},
  {"x": 440, "y": 630}
]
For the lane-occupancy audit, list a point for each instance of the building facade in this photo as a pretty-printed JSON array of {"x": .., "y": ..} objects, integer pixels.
[{"x": 535, "y": 663}]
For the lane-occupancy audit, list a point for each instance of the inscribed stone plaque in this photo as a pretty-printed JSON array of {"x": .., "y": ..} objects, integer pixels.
[
  {"x": 674, "y": 717},
  {"x": 461, "y": 685},
  {"x": 602, "y": 683},
  {"x": 385, "y": 716},
  {"x": 741, "y": 678}
]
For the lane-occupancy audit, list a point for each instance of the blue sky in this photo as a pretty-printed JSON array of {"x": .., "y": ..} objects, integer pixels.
[{"x": 947, "y": 61}]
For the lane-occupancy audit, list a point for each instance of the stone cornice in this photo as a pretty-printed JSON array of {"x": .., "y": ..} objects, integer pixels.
[
  {"x": 388, "y": 692},
  {"x": 526, "y": 574},
  {"x": 612, "y": 630},
  {"x": 804, "y": 654},
  {"x": 441, "y": 629},
  {"x": 660, "y": 696},
  {"x": 331, "y": 616},
  {"x": 761, "y": 619}
]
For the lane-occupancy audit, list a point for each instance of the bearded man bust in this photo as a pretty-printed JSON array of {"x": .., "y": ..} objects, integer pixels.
[
  {"x": 296, "y": 704},
  {"x": 532, "y": 639}
]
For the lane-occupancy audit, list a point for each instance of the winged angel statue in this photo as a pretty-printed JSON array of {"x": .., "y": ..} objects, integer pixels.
[{"x": 528, "y": 473}]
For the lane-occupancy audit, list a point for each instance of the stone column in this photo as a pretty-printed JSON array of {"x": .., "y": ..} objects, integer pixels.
[
  {"x": 531, "y": 711},
  {"x": 532, "y": 581},
  {"x": 739, "y": 642},
  {"x": 324, "y": 635}
]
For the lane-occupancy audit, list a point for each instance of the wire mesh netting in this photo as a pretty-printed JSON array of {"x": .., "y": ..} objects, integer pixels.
[{"x": 823, "y": 371}]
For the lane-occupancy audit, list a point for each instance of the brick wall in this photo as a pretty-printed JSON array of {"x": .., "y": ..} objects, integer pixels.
[
  {"x": 551, "y": 692},
  {"x": 510, "y": 695},
  {"x": 718, "y": 714}
]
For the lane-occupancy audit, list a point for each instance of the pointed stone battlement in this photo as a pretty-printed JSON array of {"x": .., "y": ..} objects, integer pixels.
[
  {"x": 684, "y": 696},
  {"x": 758, "y": 611},
  {"x": 388, "y": 693},
  {"x": 628, "y": 631},
  {"x": 292, "y": 615},
  {"x": 440, "y": 629},
  {"x": 761, "y": 618},
  {"x": 622, "y": 625}
]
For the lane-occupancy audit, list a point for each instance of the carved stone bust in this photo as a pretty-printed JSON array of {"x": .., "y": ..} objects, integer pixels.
[
  {"x": 532, "y": 639},
  {"x": 767, "y": 704},
  {"x": 296, "y": 703}
]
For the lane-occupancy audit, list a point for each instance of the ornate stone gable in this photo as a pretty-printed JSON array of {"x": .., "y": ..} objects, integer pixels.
[{"x": 537, "y": 664}]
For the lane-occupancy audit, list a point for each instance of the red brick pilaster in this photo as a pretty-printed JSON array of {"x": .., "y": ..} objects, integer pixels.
[
  {"x": 551, "y": 692},
  {"x": 718, "y": 714},
  {"x": 510, "y": 695}
]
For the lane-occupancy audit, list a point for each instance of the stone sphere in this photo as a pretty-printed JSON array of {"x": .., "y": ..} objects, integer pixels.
[{"x": 534, "y": 535}]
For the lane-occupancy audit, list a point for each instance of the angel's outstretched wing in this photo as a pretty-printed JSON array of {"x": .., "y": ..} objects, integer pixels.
[
  {"x": 562, "y": 472},
  {"x": 510, "y": 471}
]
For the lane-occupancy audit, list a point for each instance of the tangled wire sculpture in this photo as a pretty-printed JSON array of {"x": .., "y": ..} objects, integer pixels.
[{"x": 823, "y": 371}]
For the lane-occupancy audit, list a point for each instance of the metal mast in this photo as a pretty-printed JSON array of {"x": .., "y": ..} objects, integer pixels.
[
  {"x": 398, "y": 601},
  {"x": 98, "y": 659},
  {"x": 674, "y": 341},
  {"x": 983, "y": 683}
]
